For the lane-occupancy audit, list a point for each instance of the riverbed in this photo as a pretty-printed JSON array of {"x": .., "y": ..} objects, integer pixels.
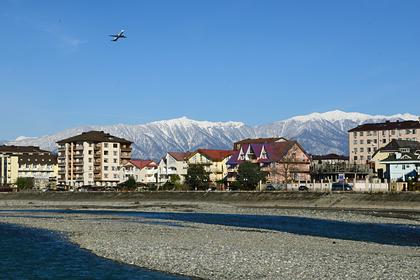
[{"x": 225, "y": 242}]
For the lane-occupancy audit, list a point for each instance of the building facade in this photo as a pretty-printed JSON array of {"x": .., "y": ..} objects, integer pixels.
[
  {"x": 92, "y": 158},
  {"x": 27, "y": 162},
  {"x": 173, "y": 163},
  {"x": 214, "y": 162},
  {"x": 366, "y": 139},
  {"x": 283, "y": 160},
  {"x": 143, "y": 171},
  {"x": 403, "y": 166}
]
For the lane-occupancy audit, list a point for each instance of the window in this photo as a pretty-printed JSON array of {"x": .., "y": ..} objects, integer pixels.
[
  {"x": 362, "y": 150},
  {"x": 375, "y": 141},
  {"x": 361, "y": 133},
  {"x": 115, "y": 176},
  {"x": 361, "y": 157},
  {"x": 115, "y": 160},
  {"x": 106, "y": 145},
  {"x": 90, "y": 159},
  {"x": 115, "y": 145},
  {"x": 392, "y": 132},
  {"x": 361, "y": 141},
  {"x": 105, "y": 153},
  {"x": 384, "y": 141},
  {"x": 355, "y": 142},
  {"x": 115, "y": 153},
  {"x": 414, "y": 131},
  {"x": 369, "y": 157},
  {"x": 90, "y": 152},
  {"x": 383, "y": 132},
  {"x": 106, "y": 168},
  {"x": 368, "y": 149},
  {"x": 355, "y": 150},
  {"x": 368, "y": 141},
  {"x": 403, "y": 167},
  {"x": 407, "y": 131},
  {"x": 354, "y": 134},
  {"x": 105, "y": 175},
  {"x": 105, "y": 160}
]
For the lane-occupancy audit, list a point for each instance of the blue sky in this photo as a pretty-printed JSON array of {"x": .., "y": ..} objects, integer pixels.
[{"x": 218, "y": 60}]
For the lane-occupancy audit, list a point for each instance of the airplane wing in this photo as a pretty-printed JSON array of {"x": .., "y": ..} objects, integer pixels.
[
  {"x": 123, "y": 36},
  {"x": 113, "y": 35},
  {"x": 115, "y": 39}
]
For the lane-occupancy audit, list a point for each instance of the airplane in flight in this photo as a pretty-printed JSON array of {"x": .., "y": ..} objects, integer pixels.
[{"x": 118, "y": 36}]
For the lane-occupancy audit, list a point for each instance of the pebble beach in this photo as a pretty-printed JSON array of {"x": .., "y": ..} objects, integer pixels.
[{"x": 209, "y": 251}]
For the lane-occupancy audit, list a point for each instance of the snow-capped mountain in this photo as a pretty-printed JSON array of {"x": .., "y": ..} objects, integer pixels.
[{"x": 319, "y": 133}]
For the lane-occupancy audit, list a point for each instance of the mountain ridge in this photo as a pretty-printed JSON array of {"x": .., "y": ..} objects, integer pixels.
[{"x": 319, "y": 133}]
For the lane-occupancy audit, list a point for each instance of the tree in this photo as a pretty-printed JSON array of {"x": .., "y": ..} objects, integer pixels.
[
  {"x": 130, "y": 184},
  {"x": 197, "y": 177},
  {"x": 249, "y": 175},
  {"x": 25, "y": 183}
]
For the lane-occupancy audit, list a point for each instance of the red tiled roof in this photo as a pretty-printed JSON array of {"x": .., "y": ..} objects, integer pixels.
[
  {"x": 180, "y": 156},
  {"x": 215, "y": 155},
  {"x": 140, "y": 164},
  {"x": 387, "y": 126}
]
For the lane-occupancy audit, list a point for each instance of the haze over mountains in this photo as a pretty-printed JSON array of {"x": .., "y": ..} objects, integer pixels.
[{"x": 319, "y": 133}]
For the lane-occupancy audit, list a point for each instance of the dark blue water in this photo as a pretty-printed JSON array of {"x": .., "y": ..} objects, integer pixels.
[
  {"x": 39, "y": 254},
  {"x": 392, "y": 234}
]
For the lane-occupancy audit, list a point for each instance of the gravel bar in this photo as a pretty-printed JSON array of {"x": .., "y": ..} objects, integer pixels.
[{"x": 223, "y": 252}]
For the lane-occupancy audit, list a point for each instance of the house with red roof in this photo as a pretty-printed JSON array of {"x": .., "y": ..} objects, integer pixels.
[
  {"x": 214, "y": 162},
  {"x": 143, "y": 171},
  {"x": 283, "y": 160},
  {"x": 173, "y": 163}
]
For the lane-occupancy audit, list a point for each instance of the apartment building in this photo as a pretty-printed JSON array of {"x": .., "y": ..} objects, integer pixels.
[
  {"x": 366, "y": 139},
  {"x": 92, "y": 158},
  {"x": 27, "y": 162}
]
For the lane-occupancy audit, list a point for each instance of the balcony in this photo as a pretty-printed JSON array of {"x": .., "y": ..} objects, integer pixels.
[
  {"x": 78, "y": 147},
  {"x": 125, "y": 149},
  {"x": 125, "y": 155}
]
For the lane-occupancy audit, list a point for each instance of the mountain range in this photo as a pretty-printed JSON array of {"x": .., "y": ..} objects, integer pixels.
[{"x": 319, "y": 133}]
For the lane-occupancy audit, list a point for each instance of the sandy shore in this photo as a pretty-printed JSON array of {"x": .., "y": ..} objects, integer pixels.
[{"x": 222, "y": 252}]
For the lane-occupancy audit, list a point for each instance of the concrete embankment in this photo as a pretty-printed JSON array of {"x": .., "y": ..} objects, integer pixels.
[{"x": 395, "y": 201}]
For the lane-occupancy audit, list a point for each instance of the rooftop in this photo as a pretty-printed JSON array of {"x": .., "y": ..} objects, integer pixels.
[
  {"x": 94, "y": 136},
  {"x": 388, "y": 125}
]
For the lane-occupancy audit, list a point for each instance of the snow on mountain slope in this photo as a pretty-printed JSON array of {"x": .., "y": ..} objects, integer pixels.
[{"x": 319, "y": 133}]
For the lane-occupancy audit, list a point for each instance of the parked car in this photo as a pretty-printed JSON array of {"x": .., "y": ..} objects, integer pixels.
[
  {"x": 270, "y": 188},
  {"x": 341, "y": 187},
  {"x": 303, "y": 188}
]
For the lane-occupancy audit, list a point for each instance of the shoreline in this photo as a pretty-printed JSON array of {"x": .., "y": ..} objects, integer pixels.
[{"x": 224, "y": 252}]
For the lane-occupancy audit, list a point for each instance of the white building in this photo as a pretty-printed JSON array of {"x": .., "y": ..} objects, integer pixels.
[
  {"x": 143, "y": 171},
  {"x": 403, "y": 165},
  {"x": 92, "y": 158},
  {"x": 173, "y": 163}
]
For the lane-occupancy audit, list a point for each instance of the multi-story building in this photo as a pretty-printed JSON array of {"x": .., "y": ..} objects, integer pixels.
[
  {"x": 92, "y": 158},
  {"x": 173, "y": 163},
  {"x": 214, "y": 162},
  {"x": 27, "y": 162},
  {"x": 366, "y": 139},
  {"x": 282, "y": 159},
  {"x": 143, "y": 171}
]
